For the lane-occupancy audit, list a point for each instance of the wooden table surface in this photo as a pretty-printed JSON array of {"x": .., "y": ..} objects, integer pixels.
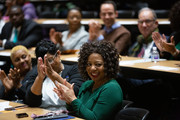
[
  {"x": 11, "y": 115},
  {"x": 86, "y": 21}
]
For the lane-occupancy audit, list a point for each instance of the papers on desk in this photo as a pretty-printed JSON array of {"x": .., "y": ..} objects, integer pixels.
[
  {"x": 4, "y": 105},
  {"x": 132, "y": 62},
  {"x": 54, "y": 22},
  {"x": 163, "y": 68}
]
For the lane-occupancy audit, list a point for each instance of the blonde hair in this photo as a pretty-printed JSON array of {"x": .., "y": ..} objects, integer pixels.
[{"x": 16, "y": 48}]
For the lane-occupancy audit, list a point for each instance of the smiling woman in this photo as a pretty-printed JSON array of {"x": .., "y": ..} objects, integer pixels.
[
  {"x": 21, "y": 59},
  {"x": 71, "y": 40},
  {"x": 13, "y": 84},
  {"x": 98, "y": 64}
]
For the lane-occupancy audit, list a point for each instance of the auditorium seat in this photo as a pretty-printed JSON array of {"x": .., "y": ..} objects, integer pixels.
[
  {"x": 89, "y": 14},
  {"x": 126, "y": 13},
  {"x": 162, "y": 13}
]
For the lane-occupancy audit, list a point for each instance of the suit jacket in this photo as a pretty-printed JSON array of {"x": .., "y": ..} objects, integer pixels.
[
  {"x": 30, "y": 34},
  {"x": 120, "y": 38}
]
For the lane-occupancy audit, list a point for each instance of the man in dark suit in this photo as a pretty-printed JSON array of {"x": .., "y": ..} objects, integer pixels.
[{"x": 19, "y": 31}]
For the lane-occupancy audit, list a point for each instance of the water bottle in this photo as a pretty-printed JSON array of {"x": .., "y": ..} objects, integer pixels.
[{"x": 154, "y": 55}]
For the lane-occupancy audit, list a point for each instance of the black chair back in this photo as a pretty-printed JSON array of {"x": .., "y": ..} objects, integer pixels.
[{"x": 132, "y": 113}]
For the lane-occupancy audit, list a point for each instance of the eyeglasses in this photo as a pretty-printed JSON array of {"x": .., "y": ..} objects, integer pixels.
[
  {"x": 146, "y": 21},
  {"x": 51, "y": 60}
]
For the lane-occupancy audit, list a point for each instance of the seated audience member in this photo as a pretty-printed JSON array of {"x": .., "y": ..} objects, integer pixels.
[
  {"x": 8, "y": 5},
  {"x": 40, "y": 91},
  {"x": 19, "y": 31},
  {"x": 148, "y": 92},
  {"x": 170, "y": 49},
  {"x": 147, "y": 23},
  {"x": 14, "y": 84},
  {"x": 100, "y": 97},
  {"x": 113, "y": 31},
  {"x": 28, "y": 9},
  {"x": 73, "y": 38}
]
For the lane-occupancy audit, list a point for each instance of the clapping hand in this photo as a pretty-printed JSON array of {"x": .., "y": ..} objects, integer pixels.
[
  {"x": 94, "y": 29},
  {"x": 12, "y": 80},
  {"x": 41, "y": 69},
  {"x": 64, "y": 92},
  {"x": 162, "y": 44},
  {"x": 48, "y": 68},
  {"x": 158, "y": 40},
  {"x": 55, "y": 37},
  {"x": 53, "y": 75},
  {"x": 14, "y": 75}
]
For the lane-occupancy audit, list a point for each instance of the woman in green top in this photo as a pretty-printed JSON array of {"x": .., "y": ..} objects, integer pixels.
[{"x": 101, "y": 97}]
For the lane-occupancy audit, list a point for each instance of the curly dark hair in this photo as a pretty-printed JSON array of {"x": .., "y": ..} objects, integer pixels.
[
  {"x": 174, "y": 16},
  {"x": 107, "y": 51},
  {"x": 44, "y": 47}
]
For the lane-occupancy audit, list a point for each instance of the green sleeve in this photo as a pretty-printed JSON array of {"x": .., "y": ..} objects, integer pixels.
[{"x": 107, "y": 103}]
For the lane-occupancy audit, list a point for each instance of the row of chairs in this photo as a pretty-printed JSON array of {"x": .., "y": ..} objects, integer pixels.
[
  {"x": 131, "y": 113},
  {"x": 94, "y": 14}
]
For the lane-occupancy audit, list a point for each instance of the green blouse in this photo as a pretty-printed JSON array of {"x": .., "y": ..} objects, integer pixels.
[{"x": 101, "y": 104}]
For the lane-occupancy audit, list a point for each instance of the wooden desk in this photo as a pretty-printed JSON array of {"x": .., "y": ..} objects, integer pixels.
[
  {"x": 146, "y": 69},
  {"x": 11, "y": 115},
  {"x": 133, "y": 66},
  {"x": 86, "y": 21},
  {"x": 142, "y": 67}
]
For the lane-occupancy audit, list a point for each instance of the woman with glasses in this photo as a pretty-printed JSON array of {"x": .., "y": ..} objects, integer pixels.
[
  {"x": 14, "y": 83},
  {"x": 40, "y": 87},
  {"x": 100, "y": 97},
  {"x": 147, "y": 23},
  {"x": 73, "y": 38}
]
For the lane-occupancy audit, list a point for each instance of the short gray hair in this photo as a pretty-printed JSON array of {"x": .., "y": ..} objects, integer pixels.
[{"x": 148, "y": 9}]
